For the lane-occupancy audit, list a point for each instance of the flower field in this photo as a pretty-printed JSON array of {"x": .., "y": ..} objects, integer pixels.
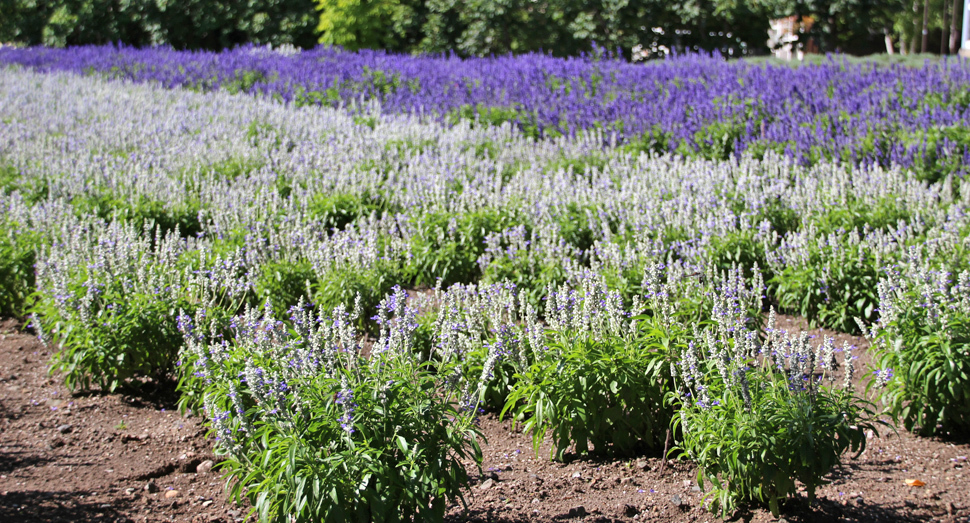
[{"x": 343, "y": 282}]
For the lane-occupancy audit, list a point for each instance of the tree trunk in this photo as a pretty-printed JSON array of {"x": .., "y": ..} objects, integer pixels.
[
  {"x": 925, "y": 48},
  {"x": 956, "y": 16},
  {"x": 889, "y": 42},
  {"x": 944, "y": 36},
  {"x": 913, "y": 44}
]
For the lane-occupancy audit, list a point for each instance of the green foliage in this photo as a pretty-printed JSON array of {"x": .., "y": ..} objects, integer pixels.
[
  {"x": 233, "y": 168},
  {"x": 167, "y": 217},
  {"x": 737, "y": 249},
  {"x": 532, "y": 279},
  {"x": 378, "y": 438},
  {"x": 924, "y": 361},
  {"x": 123, "y": 336},
  {"x": 942, "y": 151},
  {"x": 360, "y": 24},
  {"x": 350, "y": 285},
  {"x": 830, "y": 289},
  {"x": 32, "y": 190},
  {"x": 861, "y": 216},
  {"x": 339, "y": 209},
  {"x": 188, "y": 24},
  {"x": 755, "y": 429},
  {"x": 448, "y": 246},
  {"x": 284, "y": 283},
  {"x": 496, "y": 116},
  {"x": 716, "y": 141},
  {"x": 17, "y": 256},
  {"x": 601, "y": 396}
]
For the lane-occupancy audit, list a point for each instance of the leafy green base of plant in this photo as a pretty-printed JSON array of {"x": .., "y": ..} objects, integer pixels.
[
  {"x": 929, "y": 387},
  {"x": 831, "y": 296},
  {"x": 136, "y": 336},
  {"x": 597, "y": 396},
  {"x": 338, "y": 210},
  {"x": 16, "y": 275},
  {"x": 758, "y": 453},
  {"x": 448, "y": 246},
  {"x": 339, "y": 437},
  {"x": 760, "y": 420},
  {"x": 166, "y": 218}
]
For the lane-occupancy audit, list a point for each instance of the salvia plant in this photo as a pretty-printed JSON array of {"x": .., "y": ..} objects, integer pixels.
[
  {"x": 561, "y": 266},
  {"x": 315, "y": 426},
  {"x": 922, "y": 345},
  {"x": 697, "y": 105},
  {"x": 759, "y": 415}
]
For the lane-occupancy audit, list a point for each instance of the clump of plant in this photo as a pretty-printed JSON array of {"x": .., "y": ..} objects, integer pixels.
[
  {"x": 337, "y": 210},
  {"x": 532, "y": 261},
  {"x": 447, "y": 246},
  {"x": 316, "y": 428},
  {"x": 598, "y": 383},
  {"x": 108, "y": 300},
  {"x": 922, "y": 342},
  {"x": 830, "y": 280},
  {"x": 758, "y": 419},
  {"x": 17, "y": 256}
]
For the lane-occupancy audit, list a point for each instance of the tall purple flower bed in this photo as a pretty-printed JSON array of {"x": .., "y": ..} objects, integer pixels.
[{"x": 914, "y": 117}]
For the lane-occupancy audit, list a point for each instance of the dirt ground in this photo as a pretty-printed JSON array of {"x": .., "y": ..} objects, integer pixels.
[{"x": 117, "y": 458}]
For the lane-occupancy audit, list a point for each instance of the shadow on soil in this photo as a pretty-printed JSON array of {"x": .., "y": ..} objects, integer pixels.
[
  {"x": 36, "y": 506},
  {"x": 827, "y": 510},
  {"x": 483, "y": 516},
  {"x": 11, "y": 461}
]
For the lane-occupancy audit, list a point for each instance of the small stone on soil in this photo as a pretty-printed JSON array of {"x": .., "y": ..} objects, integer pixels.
[{"x": 204, "y": 467}]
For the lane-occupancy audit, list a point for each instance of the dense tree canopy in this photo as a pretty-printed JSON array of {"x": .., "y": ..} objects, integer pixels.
[
  {"x": 185, "y": 24},
  {"x": 475, "y": 27}
]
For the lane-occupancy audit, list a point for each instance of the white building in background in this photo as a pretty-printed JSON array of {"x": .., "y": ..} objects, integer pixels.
[
  {"x": 783, "y": 37},
  {"x": 965, "y": 36}
]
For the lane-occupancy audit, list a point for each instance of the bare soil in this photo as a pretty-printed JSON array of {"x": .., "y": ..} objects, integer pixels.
[{"x": 116, "y": 458}]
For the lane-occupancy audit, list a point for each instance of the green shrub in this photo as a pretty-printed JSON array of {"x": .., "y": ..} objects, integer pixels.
[
  {"x": 109, "y": 302},
  {"x": 447, "y": 246},
  {"x": 833, "y": 287},
  {"x": 167, "y": 217},
  {"x": 17, "y": 280},
  {"x": 340, "y": 209},
  {"x": 923, "y": 351},
  {"x": 755, "y": 423},
  {"x": 319, "y": 432},
  {"x": 599, "y": 395},
  {"x": 284, "y": 283}
]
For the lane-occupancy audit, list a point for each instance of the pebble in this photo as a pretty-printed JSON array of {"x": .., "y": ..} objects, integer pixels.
[
  {"x": 206, "y": 503},
  {"x": 204, "y": 467},
  {"x": 151, "y": 487},
  {"x": 487, "y": 484},
  {"x": 172, "y": 494},
  {"x": 576, "y": 474},
  {"x": 676, "y": 501},
  {"x": 64, "y": 429}
]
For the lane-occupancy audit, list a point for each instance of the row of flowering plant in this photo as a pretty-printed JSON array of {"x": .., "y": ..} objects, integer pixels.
[
  {"x": 922, "y": 342},
  {"x": 316, "y": 426},
  {"x": 759, "y": 417}
]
